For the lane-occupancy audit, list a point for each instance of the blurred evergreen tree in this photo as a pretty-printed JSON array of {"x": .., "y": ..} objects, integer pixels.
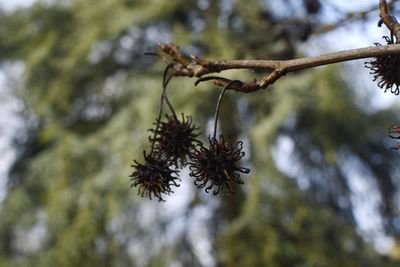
[{"x": 90, "y": 94}]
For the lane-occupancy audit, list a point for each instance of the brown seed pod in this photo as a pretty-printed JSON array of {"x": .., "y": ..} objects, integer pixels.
[
  {"x": 217, "y": 165},
  {"x": 386, "y": 71},
  {"x": 174, "y": 139},
  {"x": 154, "y": 177}
]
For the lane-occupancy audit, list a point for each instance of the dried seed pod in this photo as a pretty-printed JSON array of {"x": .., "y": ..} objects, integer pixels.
[
  {"x": 174, "y": 139},
  {"x": 154, "y": 177},
  {"x": 386, "y": 71},
  {"x": 217, "y": 165}
]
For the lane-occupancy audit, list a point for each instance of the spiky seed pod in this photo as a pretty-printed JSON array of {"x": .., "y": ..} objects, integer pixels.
[
  {"x": 174, "y": 139},
  {"x": 217, "y": 165},
  {"x": 386, "y": 70},
  {"x": 154, "y": 177}
]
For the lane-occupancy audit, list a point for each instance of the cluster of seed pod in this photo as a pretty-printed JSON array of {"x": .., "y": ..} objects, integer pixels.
[{"x": 174, "y": 145}]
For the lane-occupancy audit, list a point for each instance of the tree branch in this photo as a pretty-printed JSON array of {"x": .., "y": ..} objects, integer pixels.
[
  {"x": 389, "y": 20},
  {"x": 199, "y": 67},
  {"x": 195, "y": 66},
  {"x": 294, "y": 64}
]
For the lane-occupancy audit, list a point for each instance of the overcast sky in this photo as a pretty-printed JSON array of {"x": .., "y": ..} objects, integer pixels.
[{"x": 12, "y": 4}]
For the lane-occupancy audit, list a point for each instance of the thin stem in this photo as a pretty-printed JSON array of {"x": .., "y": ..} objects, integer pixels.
[
  {"x": 389, "y": 20},
  {"x": 165, "y": 83},
  {"x": 164, "y": 87},
  {"x": 218, "y": 105}
]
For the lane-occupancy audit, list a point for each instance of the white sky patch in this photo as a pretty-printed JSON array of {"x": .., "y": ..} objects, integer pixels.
[
  {"x": 196, "y": 223},
  {"x": 350, "y": 6},
  {"x": 365, "y": 197},
  {"x": 32, "y": 240},
  {"x": 178, "y": 202},
  {"x": 10, "y": 5},
  {"x": 286, "y": 161},
  {"x": 9, "y": 106},
  {"x": 10, "y": 124},
  {"x": 366, "y": 200},
  {"x": 6, "y": 153},
  {"x": 199, "y": 235}
]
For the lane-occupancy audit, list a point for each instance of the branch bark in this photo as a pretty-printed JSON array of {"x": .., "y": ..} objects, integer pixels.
[
  {"x": 389, "y": 20},
  {"x": 294, "y": 64},
  {"x": 196, "y": 67}
]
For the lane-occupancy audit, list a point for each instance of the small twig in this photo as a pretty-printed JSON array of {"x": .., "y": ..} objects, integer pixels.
[
  {"x": 173, "y": 51},
  {"x": 389, "y": 20}
]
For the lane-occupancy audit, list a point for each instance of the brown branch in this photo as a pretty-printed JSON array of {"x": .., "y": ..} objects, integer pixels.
[
  {"x": 389, "y": 20},
  {"x": 195, "y": 66},
  {"x": 277, "y": 68},
  {"x": 294, "y": 64}
]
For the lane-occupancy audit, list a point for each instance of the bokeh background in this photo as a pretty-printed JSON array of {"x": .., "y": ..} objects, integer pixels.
[{"x": 77, "y": 95}]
